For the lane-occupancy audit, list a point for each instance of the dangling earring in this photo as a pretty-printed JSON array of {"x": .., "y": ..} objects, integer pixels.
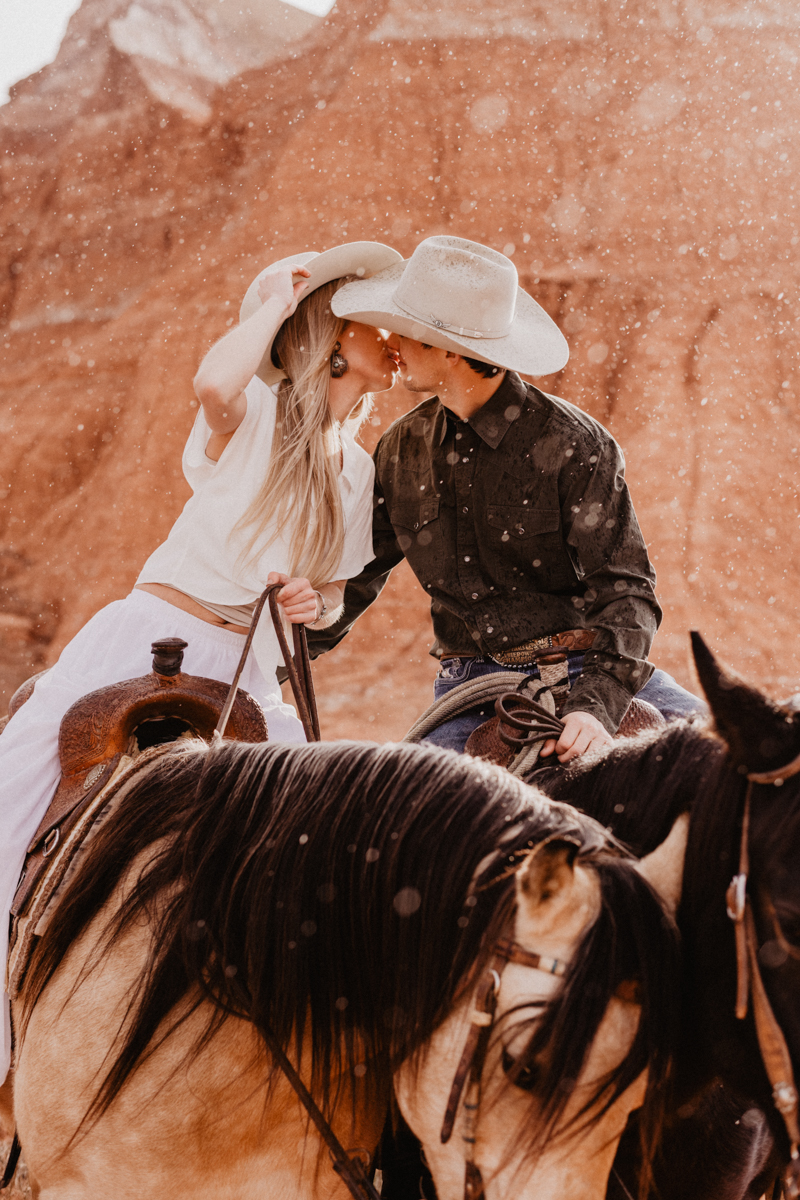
[{"x": 339, "y": 364}]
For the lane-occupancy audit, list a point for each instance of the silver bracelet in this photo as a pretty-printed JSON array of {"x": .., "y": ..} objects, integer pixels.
[{"x": 323, "y": 609}]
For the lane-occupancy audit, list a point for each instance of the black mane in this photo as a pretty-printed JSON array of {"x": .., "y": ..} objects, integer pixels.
[
  {"x": 352, "y": 891},
  {"x": 638, "y": 787}
]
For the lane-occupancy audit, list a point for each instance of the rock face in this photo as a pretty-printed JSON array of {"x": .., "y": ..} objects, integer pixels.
[
  {"x": 637, "y": 161},
  {"x": 116, "y": 52}
]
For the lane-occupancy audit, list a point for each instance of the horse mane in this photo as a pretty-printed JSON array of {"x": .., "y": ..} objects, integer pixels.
[
  {"x": 352, "y": 892},
  {"x": 640, "y": 785}
]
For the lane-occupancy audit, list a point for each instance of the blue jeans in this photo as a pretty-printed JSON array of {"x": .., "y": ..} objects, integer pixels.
[{"x": 661, "y": 691}]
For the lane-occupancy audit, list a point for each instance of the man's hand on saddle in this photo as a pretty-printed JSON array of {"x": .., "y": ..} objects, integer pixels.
[{"x": 581, "y": 732}]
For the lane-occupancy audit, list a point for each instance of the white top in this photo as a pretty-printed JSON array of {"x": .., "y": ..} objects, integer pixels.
[{"x": 204, "y": 554}]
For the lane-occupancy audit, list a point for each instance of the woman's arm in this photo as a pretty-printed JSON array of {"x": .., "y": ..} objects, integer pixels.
[
  {"x": 230, "y": 365},
  {"x": 301, "y": 602}
]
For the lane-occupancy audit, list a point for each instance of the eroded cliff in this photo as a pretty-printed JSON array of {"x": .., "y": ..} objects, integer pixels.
[{"x": 636, "y": 160}]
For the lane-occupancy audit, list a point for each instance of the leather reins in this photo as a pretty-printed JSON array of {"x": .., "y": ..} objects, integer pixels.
[
  {"x": 298, "y": 666},
  {"x": 351, "y": 1170},
  {"x": 348, "y": 1167},
  {"x": 749, "y": 985},
  {"x": 473, "y": 1056}
]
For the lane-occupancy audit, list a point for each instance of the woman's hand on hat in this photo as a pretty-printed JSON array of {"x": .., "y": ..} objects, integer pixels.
[
  {"x": 232, "y": 362},
  {"x": 278, "y": 286},
  {"x": 297, "y": 598}
]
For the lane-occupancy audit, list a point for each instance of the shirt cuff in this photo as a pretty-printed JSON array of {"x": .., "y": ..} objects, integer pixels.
[{"x": 597, "y": 692}]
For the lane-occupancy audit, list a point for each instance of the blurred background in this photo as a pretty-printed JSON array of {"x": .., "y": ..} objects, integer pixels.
[{"x": 636, "y": 158}]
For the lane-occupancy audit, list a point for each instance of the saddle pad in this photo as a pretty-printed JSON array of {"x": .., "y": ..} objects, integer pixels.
[{"x": 65, "y": 862}]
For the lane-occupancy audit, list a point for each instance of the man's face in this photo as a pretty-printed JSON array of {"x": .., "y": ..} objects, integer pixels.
[{"x": 422, "y": 368}]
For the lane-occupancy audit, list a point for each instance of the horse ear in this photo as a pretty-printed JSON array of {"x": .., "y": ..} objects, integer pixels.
[
  {"x": 663, "y": 867},
  {"x": 548, "y": 868},
  {"x": 761, "y": 735}
]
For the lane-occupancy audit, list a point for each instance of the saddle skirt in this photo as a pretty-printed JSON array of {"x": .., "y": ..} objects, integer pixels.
[{"x": 106, "y": 739}]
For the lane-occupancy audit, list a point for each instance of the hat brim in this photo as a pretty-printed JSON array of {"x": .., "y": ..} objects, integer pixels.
[
  {"x": 353, "y": 258},
  {"x": 534, "y": 344}
]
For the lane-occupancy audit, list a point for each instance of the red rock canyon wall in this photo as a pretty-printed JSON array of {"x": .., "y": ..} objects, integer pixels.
[{"x": 636, "y": 158}]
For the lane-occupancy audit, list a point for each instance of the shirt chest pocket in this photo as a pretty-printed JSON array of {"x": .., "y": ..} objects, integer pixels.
[
  {"x": 520, "y": 521},
  {"x": 416, "y": 523},
  {"x": 528, "y": 540}
]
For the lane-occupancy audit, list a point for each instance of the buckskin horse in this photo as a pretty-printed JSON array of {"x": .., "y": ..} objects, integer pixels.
[
  {"x": 732, "y": 1130},
  {"x": 344, "y": 911}
]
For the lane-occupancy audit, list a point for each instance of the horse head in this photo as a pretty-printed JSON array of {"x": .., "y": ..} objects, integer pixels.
[
  {"x": 763, "y": 739},
  {"x": 580, "y": 1020}
]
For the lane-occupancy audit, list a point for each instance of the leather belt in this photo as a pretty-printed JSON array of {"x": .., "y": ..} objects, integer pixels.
[{"x": 551, "y": 648}]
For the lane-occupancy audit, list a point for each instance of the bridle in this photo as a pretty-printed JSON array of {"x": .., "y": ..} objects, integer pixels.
[
  {"x": 473, "y": 1056},
  {"x": 749, "y": 984}
]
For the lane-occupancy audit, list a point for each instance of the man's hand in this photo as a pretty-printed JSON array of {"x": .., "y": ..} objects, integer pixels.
[{"x": 581, "y": 732}]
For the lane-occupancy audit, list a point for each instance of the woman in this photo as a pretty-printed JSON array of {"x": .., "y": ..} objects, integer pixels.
[{"x": 281, "y": 494}]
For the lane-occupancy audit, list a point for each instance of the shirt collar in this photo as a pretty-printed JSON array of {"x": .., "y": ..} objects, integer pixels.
[{"x": 492, "y": 421}]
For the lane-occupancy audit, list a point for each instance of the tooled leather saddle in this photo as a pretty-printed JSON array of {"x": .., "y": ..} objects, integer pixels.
[{"x": 105, "y": 732}]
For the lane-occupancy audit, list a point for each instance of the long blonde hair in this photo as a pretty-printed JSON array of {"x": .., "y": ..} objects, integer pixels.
[{"x": 300, "y": 490}]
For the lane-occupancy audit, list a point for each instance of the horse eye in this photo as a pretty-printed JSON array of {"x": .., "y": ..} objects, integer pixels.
[{"x": 522, "y": 1077}]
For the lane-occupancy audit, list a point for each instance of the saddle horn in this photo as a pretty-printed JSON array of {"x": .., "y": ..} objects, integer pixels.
[{"x": 761, "y": 735}]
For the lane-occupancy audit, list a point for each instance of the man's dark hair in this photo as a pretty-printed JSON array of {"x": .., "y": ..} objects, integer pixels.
[{"x": 487, "y": 370}]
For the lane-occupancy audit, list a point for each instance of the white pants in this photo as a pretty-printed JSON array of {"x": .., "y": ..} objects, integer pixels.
[{"x": 115, "y": 645}]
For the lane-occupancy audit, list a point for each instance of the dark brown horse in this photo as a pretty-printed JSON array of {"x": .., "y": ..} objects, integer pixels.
[{"x": 725, "y": 1139}]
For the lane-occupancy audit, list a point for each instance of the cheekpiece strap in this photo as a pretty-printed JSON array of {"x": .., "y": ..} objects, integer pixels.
[
  {"x": 512, "y": 952},
  {"x": 772, "y": 1045}
]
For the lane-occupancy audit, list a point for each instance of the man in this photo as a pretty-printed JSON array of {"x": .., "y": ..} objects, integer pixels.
[{"x": 510, "y": 505}]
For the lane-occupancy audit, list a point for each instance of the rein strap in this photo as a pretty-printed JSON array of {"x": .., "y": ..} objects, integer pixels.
[
  {"x": 298, "y": 666},
  {"x": 772, "y": 1045},
  {"x": 349, "y": 1169}
]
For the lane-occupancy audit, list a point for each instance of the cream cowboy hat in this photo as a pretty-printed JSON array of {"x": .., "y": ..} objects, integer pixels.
[
  {"x": 460, "y": 296},
  {"x": 354, "y": 258}
]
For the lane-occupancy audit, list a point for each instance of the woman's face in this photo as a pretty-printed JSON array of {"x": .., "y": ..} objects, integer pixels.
[{"x": 369, "y": 360}]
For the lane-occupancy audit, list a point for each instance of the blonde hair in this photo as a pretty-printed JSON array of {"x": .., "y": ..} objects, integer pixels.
[{"x": 300, "y": 491}]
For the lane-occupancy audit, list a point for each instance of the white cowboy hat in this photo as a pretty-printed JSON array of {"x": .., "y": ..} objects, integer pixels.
[
  {"x": 460, "y": 296},
  {"x": 354, "y": 258}
]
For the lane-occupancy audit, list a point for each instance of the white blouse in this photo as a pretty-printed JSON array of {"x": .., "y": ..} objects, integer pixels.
[{"x": 206, "y": 556}]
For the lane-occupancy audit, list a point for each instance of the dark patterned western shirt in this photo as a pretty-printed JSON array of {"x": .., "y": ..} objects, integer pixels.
[{"x": 518, "y": 523}]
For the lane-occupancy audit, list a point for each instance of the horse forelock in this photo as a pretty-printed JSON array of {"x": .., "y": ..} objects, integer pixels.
[{"x": 321, "y": 889}]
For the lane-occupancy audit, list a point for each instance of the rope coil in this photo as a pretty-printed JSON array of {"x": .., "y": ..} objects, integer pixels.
[{"x": 521, "y": 702}]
